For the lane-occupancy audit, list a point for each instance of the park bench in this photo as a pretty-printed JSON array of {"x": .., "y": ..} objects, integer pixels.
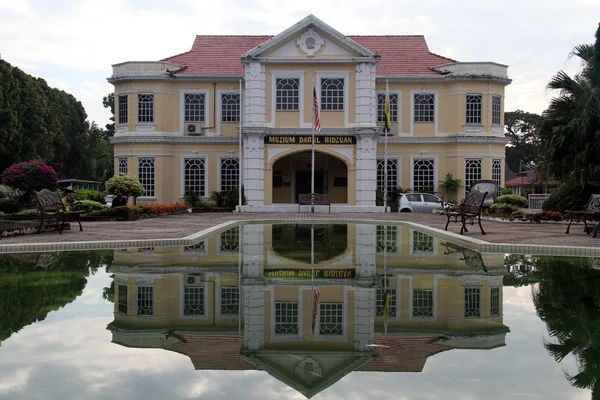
[
  {"x": 314, "y": 199},
  {"x": 469, "y": 209},
  {"x": 51, "y": 207},
  {"x": 591, "y": 211}
]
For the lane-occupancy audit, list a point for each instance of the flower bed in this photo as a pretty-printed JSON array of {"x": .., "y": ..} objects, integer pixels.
[
  {"x": 130, "y": 213},
  {"x": 546, "y": 216}
]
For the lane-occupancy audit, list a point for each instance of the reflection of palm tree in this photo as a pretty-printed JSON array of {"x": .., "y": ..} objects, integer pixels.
[{"x": 567, "y": 299}]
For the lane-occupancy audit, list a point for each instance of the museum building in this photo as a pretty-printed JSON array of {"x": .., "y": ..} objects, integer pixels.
[{"x": 178, "y": 120}]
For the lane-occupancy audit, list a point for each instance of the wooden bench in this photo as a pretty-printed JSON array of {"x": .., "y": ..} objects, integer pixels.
[
  {"x": 52, "y": 207},
  {"x": 591, "y": 211},
  {"x": 470, "y": 209},
  {"x": 316, "y": 199}
]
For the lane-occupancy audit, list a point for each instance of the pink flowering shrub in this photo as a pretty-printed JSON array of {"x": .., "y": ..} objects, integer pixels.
[{"x": 31, "y": 175}]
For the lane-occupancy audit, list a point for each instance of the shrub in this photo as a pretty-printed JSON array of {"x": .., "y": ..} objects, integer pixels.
[
  {"x": 506, "y": 191},
  {"x": 567, "y": 197},
  {"x": 86, "y": 194},
  {"x": 89, "y": 206},
  {"x": 546, "y": 216},
  {"x": 517, "y": 214},
  {"x": 9, "y": 206},
  {"x": 513, "y": 199},
  {"x": 126, "y": 184},
  {"x": 192, "y": 199},
  {"x": 23, "y": 215},
  {"x": 502, "y": 209},
  {"x": 30, "y": 175},
  {"x": 2, "y": 194}
]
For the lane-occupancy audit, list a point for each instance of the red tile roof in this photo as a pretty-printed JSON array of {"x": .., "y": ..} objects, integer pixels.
[
  {"x": 220, "y": 55},
  {"x": 403, "y": 353}
]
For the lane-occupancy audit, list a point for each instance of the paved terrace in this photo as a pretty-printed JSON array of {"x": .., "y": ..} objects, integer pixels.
[{"x": 182, "y": 225}]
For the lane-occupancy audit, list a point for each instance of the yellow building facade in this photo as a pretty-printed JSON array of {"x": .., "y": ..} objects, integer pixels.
[{"x": 179, "y": 121}]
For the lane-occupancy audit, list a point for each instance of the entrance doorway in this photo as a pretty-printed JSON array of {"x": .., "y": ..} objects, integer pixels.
[{"x": 303, "y": 182}]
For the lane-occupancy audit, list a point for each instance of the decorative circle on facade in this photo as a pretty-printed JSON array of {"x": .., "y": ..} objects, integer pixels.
[
  {"x": 310, "y": 42},
  {"x": 308, "y": 370}
]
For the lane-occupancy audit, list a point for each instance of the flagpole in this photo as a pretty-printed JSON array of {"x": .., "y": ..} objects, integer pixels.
[
  {"x": 312, "y": 275},
  {"x": 312, "y": 155},
  {"x": 240, "y": 151},
  {"x": 385, "y": 154},
  {"x": 240, "y": 241},
  {"x": 385, "y": 293}
]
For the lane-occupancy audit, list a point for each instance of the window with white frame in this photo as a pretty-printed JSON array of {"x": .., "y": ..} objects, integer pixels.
[
  {"x": 380, "y": 302},
  {"x": 193, "y": 301},
  {"x": 122, "y": 166},
  {"x": 230, "y": 174},
  {"x": 424, "y": 175},
  {"x": 497, "y": 171},
  {"x": 424, "y": 107},
  {"x": 194, "y": 107},
  {"x": 331, "y": 318},
  {"x": 472, "y": 171},
  {"x": 332, "y": 94},
  {"x": 145, "y": 107},
  {"x": 286, "y": 318},
  {"x": 230, "y": 107},
  {"x": 287, "y": 94},
  {"x": 230, "y": 300},
  {"x": 422, "y": 242},
  {"x": 194, "y": 176},
  {"x": 472, "y": 302},
  {"x": 473, "y": 115},
  {"x": 495, "y": 110},
  {"x": 122, "y": 306},
  {"x": 392, "y": 175},
  {"x": 393, "y": 107},
  {"x": 387, "y": 236},
  {"x": 495, "y": 302},
  {"x": 146, "y": 175},
  {"x": 145, "y": 304},
  {"x": 199, "y": 247},
  {"x": 230, "y": 239},
  {"x": 123, "y": 109},
  {"x": 422, "y": 303}
]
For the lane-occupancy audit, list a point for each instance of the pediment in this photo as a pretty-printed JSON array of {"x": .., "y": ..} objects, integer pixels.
[{"x": 309, "y": 38}]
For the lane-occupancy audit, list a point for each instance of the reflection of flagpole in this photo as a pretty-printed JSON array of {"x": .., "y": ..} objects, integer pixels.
[
  {"x": 241, "y": 160},
  {"x": 240, "y": 301},
  {"x": 386, "y": 307},
  {"x": 386, "y": 103},
  {"x": 312, "y": 275},
  {"x": 312, "y": 154}
]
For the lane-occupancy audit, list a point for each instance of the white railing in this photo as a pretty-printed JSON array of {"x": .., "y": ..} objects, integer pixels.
[{"x": 537, "y": 200}]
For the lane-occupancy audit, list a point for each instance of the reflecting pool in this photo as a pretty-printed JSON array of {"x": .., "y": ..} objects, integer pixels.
[{"x": 299, "y": 311}]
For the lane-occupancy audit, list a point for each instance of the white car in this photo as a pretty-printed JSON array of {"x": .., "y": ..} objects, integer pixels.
[
  {"x": 420, "y": 202},
  {"x": 108, "y": 199}
]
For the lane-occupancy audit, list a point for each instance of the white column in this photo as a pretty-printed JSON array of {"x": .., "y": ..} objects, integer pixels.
[
  {"x": 254, "y": 169},
  {"x": 366, "y": 170},
  {"x": 364, "y": 319},
  {"x": 254, "y": 102},
  {"x": 254, "y": 317},
  {"x": 253, "y": 245},
  {"x": 366, "y": 251},
  {"x": 366, "y": 98}
]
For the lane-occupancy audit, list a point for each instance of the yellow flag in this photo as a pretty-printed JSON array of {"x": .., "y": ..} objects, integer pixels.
[{"x": 386, "y": 110}]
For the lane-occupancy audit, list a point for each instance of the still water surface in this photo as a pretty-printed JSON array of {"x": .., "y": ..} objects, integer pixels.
[{"x": 296, "y": 311}]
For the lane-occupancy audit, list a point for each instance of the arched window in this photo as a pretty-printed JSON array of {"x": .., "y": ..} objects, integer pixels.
[
  {"x": 473, "y": 109},
  {"x": 423, "y": 175},
  {"x": 230, "y": 108},
  {"x": 287, "y": 94},
  {"x": 424, "y": 107},
  {"x": 497, "y": 172},
  {"x": 146, "y": 107},
  {"x": 392, "y": 175},
  {"x": 194, "y": 107},
  {"x": 146, "y": 175},
  {"x": 194, "y": 176},
  {"x": 230, "y": 174},
  {"x": 332, "y": 94},
  {"x": 472, "y": 172},
  {"x": 393, "y": 107}
]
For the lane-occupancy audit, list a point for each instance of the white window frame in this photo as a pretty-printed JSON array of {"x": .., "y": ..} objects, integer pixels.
[
  {"x": 422, "y": 254},
  {"x": 398, "y": 241},
  {"x": 227, "y": 252},
  {"x": 153, "y": 197},
  {"x": 281, "y": 74},
  {"x": 217, "y": 297},
  {"x": 413, "y": 116},
  {"x": 122, "y": 127},
  {"x": 499, "y": 300},
  {"x": 137, "y": 298},
  {"x": 118, "y": 301},
  {"x": 465, "y": 288},
  {"x": 474, "y": 127},
  {"x": 398, "y": 161},
  {"x": 203, "y": 157},
  {"x": 497, "y": 128},
  {"x": 468, "y": 183},
  {"x": 219, "y": 162},
  {"x": 499, "y": 181},
  {"x": 276, "y": 337},
  {"x": 435, "y": 300},
  {"x": 394, "y": 285},
  {"x": 345, "y": 75},
  {"x": 186, "y": 250},
  {"x": 332, "y": 338},
  {"x": 119, "y": 161},
  {"x": 435, "y": 170},
  {"x": 207, "y": 103},
  {"x": 398, "y": 121},
  {"x": 219, "y": 106},
  {"x": 145, "y": 127},
  {"x": 435, "y": 110},
  {"x": 182, "y": 285}
]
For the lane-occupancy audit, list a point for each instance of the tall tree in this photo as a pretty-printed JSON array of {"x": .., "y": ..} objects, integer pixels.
[
  {"x": 570, "y": 129},
  {"x": 520, "y": 128},
  {"x": 109, "y": 102}
]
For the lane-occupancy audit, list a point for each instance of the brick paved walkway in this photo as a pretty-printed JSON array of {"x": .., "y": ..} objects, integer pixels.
[{"x": 179, "y": 226}]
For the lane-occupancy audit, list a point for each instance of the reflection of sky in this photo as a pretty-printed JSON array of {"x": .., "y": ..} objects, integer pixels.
[{"x": 70, "y": 356}]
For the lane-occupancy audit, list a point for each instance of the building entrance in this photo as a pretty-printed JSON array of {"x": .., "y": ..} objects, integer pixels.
[{"x": 303, "y": 182}]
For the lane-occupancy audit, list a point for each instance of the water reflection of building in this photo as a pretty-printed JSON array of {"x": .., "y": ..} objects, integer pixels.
[{"x": 244, "y": 300}]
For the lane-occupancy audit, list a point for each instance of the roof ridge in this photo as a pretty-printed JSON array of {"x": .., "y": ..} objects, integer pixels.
[
  {"x": 386, "y": 36},
  {"x": 176, "y": 55}
]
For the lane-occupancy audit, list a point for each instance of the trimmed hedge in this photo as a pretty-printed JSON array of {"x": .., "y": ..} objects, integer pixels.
[
  {"x": 502, "y": 209},
  {"x": 566, "y": 197},
  {"x": 86, "y": 194},
  {"x": 89, "y": 206},
  {"x": 514, "y": 199}
]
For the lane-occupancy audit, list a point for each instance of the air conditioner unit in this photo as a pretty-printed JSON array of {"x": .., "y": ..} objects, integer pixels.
[
  {"x": 194, "y": 129},
  {"x": 193, "y": 280}
]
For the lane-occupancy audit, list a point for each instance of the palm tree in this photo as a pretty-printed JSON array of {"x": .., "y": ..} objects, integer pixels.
[
  {"x": 569, "y": 133},
  {"x": 567, "y": 299}
]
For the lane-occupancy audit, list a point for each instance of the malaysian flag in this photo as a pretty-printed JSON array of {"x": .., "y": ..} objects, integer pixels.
[
  {"x": 315, "y": 310},
  {"x": 316, "y": 121}
]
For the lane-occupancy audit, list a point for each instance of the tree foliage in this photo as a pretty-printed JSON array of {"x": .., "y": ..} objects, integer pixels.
[
  {"x": 37, "y": 121},
  {"x": 126, "y": 184},
  {"x": 521, "y": 129},
  {"x": 569, "y": 132},
  {"x": 109, "y": 102}
]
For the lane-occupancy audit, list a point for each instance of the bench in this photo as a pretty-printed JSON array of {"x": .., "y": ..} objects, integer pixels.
[
  {"x": 51, "y": 206},
  {"x": 316, "y": 199},
  {"x": 591, "y": 211},
  {"x": 470, "y": 209}
]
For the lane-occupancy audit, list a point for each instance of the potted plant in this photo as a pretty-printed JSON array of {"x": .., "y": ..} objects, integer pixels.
[{"x": 451, "y": 186}]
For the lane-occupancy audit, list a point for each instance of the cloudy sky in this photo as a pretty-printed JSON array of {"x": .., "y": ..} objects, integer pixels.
[{"x": 72, "y": 44}]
